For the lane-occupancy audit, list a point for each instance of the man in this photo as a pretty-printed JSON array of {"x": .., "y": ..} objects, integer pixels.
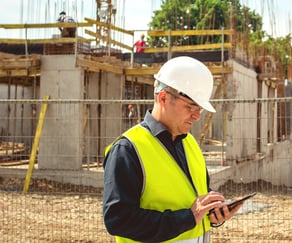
[
  {"x": 140, "y": 44},
  {"x": 66, "y": 32},
  {"x": 156, "y": 185}
]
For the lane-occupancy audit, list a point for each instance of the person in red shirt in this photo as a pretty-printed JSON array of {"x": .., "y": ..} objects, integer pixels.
[
  {"x": 140, "y": 44},
  {"x": 131, "y": 114}
]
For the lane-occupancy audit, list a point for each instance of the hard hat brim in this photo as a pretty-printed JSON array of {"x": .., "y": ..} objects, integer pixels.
[{"x": 206, "y": 105}]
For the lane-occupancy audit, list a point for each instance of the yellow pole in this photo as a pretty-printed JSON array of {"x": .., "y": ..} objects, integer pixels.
[{"x": 35, "y": 145}]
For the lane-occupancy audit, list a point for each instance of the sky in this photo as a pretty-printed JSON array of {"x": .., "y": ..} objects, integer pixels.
[
  {"x": 131, "y": 15},
  {"x": 277, "y": 15}
]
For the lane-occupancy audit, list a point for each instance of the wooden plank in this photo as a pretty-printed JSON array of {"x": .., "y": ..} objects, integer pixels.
[
  {"x": 114, "y": 65},
  {"x": 141, "y": 71},
  {"x": 12, "y": 151},
  {"x": 4, "y": 55},
  {"x": 217, "y": 70},
  {"x": 97, "y": 35},
  {"x": 112, "y": 27},
  {"x": 189, "y": 48},
  {"x": 19, "y": 66},
  {"x": 45, "y": 25},
  {"x": 14, "y": 163},
  {"x": 97, "y": 66},
  {"x": 19, "y": 73},
  {"x": 43, "y": 41},
  {"x": 149, "y": 80},
  {"x": 156, "y": 33},
  {"x": 15, "y": 64},
  {"x": 108, "y": 40}
]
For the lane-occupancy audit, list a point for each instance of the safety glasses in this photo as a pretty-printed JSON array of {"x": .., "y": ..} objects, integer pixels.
[{"x": 191, "y": 107}]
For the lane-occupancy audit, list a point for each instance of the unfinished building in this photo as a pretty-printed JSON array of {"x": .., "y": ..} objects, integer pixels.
[{"x": 89, "y": 90}]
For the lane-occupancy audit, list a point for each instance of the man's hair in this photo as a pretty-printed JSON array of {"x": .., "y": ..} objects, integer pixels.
[{"x": 166, "y": 89}]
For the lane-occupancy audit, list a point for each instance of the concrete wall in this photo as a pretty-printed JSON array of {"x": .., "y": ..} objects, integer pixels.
[
  {"x": 104, "y": 121},
  {"x": 241, "y": 132},
  {"x": 18, "y": 124},
  {"x": 61, "y": 141},
  {"x": 113, "y": 86},
  {"x": 275, "y": 167}
]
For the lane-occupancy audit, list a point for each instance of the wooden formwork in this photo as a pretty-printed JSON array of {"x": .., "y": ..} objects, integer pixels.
[{"x": 18, "y": 66}]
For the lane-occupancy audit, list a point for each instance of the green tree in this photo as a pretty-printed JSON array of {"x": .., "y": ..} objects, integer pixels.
[{"x": 201, "y": 15}]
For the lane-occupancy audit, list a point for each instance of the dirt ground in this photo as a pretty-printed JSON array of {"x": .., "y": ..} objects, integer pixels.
[
  {"x": 264, "y": 218},
  {"x": 54, "y": 212}
]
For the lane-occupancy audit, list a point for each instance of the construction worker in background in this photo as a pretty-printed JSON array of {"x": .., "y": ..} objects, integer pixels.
[
  {"x": 131, "y": 114},
  {"x": 66, "y": 32},
  {"x": 140, "y": 44},
  {"x": 156, "y": 184}
]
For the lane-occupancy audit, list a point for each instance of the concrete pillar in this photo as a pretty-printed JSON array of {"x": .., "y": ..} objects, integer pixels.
[{"x": 61, "y": 140}]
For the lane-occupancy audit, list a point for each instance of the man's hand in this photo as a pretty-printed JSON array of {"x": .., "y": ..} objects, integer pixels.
[
  {"x": 218, "y": 217},
  {"x": 204, "y": 203}
]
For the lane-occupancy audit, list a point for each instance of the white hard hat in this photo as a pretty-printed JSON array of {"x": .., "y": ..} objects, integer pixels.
[{"x": 190, "y": 77}]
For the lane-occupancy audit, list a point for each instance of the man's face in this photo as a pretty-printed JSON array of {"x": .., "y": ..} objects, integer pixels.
[{"x": 180, "y": 112}]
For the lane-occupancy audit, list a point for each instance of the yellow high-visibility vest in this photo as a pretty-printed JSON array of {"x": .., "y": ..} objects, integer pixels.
[{"x": 166, "y": 187}]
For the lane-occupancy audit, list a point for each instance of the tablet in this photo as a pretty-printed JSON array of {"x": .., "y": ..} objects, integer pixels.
[{"x": 234, "y": 203}]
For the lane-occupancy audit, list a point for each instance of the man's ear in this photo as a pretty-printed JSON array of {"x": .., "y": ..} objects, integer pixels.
[{"x": 161, "y": 97}]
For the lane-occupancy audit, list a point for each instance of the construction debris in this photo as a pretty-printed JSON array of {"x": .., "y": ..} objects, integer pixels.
[
  {"x": 9, "y": 151},
  {"x": 16, "y": 66}
]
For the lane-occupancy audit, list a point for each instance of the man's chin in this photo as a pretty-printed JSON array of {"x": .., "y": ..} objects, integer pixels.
[{"x": 186, "y": 129}]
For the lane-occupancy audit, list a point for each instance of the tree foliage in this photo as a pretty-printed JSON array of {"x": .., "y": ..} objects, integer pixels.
[
  {"x": 201, "y": 15},
  {"x": 217, "y": 14}
]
